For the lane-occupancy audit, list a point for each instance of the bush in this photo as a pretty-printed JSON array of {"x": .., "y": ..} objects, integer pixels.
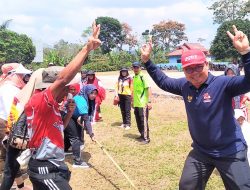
[{"x": 110, "y": 62}]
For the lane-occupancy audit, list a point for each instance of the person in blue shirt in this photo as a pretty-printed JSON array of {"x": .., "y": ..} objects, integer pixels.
[
  {"x": 81, "y": 119},
  {"x": 217, "y": 138}
]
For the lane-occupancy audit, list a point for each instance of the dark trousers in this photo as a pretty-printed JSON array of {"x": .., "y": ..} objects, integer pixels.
[
  {"x": 141, "y": 116},
  {"x": 73, "y": 135},
  {"x": 46, "y": 176},
  {"x": 234, "y": 171},
  {"x": 11, "y": 168},
  {"x": 125, "y": 106}
]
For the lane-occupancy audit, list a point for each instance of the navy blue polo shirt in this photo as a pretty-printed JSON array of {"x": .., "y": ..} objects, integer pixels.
[{"x": 211, "y": 122}]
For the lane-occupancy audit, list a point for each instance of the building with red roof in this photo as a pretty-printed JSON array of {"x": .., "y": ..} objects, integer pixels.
[{"x": 175, "y": 56}]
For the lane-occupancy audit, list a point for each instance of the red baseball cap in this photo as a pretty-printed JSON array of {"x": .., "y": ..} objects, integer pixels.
[{"x": 192, "y": 57}]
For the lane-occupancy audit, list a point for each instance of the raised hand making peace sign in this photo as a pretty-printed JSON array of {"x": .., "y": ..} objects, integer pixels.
[
  {"x": 93, "y": 41},
  {"x": 146, "y": 51},
  {"x": 240, "y": 40}
]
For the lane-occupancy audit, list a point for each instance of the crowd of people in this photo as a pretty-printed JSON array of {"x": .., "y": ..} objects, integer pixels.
[{"x": 53, "y": 106}]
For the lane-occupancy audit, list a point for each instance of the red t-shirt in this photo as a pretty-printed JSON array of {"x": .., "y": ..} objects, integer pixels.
[{"x": 45, "y": 127}]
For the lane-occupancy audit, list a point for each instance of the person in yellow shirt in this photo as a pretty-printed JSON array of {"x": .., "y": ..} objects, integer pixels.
[{"x": 123, "y": 91}]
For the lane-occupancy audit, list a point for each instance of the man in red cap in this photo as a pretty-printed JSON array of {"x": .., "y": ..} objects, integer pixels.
[{"x": 217, "y": 139}]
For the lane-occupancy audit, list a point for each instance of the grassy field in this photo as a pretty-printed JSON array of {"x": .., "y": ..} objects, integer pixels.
[{"x": 157, "y": 165}]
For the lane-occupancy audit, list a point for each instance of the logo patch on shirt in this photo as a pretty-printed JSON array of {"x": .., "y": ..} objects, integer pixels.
[
  {"x": 206, "y": 98},
  {"x": 189, "y": 98}
]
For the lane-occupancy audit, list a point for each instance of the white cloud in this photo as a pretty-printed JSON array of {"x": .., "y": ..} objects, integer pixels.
[
  {"x": 23, "y": 19},
  {"x": 53, "y": 20},
  {"x": 51, "y": 35},
  {"x": 205, "y": 33}
]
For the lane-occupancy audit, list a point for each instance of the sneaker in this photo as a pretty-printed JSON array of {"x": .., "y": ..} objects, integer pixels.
[
  {"x": 80, "y": 165},
  {"x": 144, "y": 142},
  {"x": 127, "y": 127},
  {"x": 82, "y": 147},
  {"x": 122, "y": 126}
]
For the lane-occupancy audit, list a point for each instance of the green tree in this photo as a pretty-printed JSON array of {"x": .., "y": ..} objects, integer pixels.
[
  {"x": 228, "y": 10},
  {"x": 5, "y": 24},
  {"x": 61, "y": 53},
  {"x": 111, "y": 33},
  {"x": 16, "y": 47},
  {"x": 166, "y": 35},
  {"x": 118, "y": 60},
  {"x": 222, "y": 47},
  {"x": 87, "y": 32},
  {"x": 145, "y": 35},
  {"x": 128, "y": 38}
]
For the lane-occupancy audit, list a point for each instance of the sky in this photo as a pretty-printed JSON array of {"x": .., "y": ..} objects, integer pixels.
[{"x": 48, "y": 21}]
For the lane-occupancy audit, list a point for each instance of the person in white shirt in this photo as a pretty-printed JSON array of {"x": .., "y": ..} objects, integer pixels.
[{"x": 10, "y": 85}]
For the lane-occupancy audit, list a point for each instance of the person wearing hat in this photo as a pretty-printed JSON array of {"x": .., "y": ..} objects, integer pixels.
[
  {"x": 12, "y": 166},
  {"x": 6, "y": 68},
  {"x": 123, "y": 90},
  {"x": 218, "y": 142},
  {"x": 10, "y": 86},
  {"x": 141, "y": 102},
  {"x": 47, "y": 169},
  {"x": 92, "y": 79},
  {"x": 84, "y": 77}
]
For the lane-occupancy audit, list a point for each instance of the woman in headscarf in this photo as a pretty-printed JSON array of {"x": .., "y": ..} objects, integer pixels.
[
  {"x": 74, "y": 89},
  {"x": 123, "y": 91},
  {"x": 92, "y": 79},
  {"x": 238, "y": 102},
  {"x": 81, "y": 119}
]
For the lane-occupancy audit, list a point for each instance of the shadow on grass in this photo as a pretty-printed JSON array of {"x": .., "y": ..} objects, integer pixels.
[
  {"x": 101, "y": 174},
  {"x": 85, "y": 156},
  {"x": 132, "y": 136},
  {"x": 116, "y": 124}
]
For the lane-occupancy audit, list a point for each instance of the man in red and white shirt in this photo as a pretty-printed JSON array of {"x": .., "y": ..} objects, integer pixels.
[{"x": 47, "y": 169}]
